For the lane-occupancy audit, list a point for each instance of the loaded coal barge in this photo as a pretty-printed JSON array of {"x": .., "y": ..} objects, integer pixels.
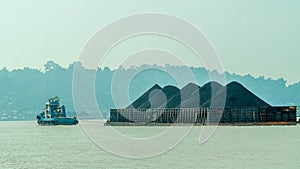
[
  {"x": 192, "y": 105},
  {"x": 54, "y": 114}
]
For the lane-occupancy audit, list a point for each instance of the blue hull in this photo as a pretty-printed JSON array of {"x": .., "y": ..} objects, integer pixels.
[{"x": 57, "y": 121}]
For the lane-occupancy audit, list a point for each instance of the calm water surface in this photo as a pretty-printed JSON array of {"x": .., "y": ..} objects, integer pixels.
[{"x": 27, "y": 145}]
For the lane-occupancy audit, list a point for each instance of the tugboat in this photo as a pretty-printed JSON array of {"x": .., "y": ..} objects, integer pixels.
[{"x": 54, "y": 114}]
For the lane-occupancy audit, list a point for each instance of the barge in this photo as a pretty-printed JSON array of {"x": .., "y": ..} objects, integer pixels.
[
  {"x": 239, "y": 116},
  {"x": 211, "y": 104}
]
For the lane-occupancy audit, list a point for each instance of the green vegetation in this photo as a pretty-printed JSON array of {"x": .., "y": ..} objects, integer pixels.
[{"x": 23, "y": 92}]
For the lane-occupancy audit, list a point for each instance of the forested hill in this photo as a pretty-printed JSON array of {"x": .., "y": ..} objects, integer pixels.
[{"x": 23, "y": 92}]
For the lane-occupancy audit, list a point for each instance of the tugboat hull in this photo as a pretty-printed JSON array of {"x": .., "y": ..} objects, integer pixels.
[{"x": 57, "y": 121}]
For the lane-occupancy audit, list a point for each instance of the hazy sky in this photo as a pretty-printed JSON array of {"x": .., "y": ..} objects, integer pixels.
[{"x": 258, "y": 37}]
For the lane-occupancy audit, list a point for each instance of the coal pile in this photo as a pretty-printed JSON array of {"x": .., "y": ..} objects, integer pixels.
[
  {"x": 157, "y": 97},
  {"x": 211, "y": 94}
]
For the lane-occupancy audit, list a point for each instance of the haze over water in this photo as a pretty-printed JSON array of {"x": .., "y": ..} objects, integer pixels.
[{"x": 27, "y": 145}]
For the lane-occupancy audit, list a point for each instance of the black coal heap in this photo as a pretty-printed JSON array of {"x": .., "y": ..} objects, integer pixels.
[{"x": 212, "y": 94}]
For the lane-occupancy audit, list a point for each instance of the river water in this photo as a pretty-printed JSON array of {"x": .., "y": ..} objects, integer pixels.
[{"x": 27, "y": 145}]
